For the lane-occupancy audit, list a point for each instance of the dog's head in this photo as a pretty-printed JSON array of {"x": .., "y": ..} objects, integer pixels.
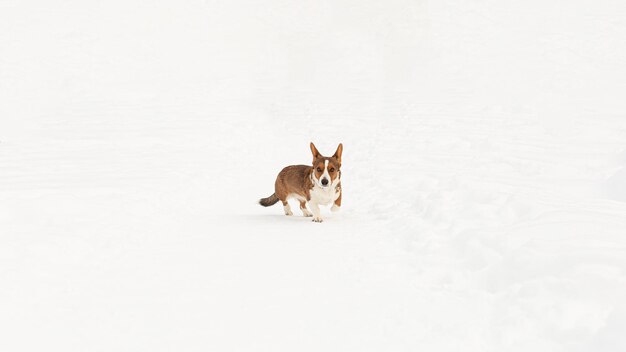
[{"x": 326, "y": 170}]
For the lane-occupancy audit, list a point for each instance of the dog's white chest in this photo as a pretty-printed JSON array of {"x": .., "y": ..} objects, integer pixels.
[{"x": 324, "y": 196}]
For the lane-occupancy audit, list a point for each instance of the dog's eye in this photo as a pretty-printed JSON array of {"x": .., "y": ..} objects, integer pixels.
[
  {"x": 319, "y": 169},
  {"x": 332, "y": 169}
]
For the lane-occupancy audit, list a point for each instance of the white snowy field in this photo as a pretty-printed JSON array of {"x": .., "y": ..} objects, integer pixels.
[{"x": 484, "y": 175}]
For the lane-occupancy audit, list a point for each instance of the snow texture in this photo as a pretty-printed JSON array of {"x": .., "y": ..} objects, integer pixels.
[{"x": 484, "y": 175}]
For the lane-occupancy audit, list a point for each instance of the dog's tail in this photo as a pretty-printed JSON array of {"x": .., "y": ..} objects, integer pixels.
[{"x": 271, "y": 200}]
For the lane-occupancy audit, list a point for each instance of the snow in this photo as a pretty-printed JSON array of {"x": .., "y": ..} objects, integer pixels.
[{"x": 484, "y": 180}]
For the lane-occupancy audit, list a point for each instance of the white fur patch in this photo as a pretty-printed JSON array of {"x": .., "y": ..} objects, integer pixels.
[
  {"x": 325, "y": 195},
  {"x": 325, "y": 174},
  {"x": 296, "y": 196}
]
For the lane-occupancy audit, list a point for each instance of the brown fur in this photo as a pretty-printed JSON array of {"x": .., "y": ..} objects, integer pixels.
[{"x": 294, "y": 179}]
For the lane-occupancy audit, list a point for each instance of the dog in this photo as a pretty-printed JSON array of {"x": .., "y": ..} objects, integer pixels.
[{"x": 319, "y": 184}]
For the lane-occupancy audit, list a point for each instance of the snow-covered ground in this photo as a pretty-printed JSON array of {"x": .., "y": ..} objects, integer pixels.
[{"x": 484, "y": 175}]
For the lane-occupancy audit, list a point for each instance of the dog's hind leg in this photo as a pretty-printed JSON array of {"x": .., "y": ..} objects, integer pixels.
[
  {"x": 287, "y": 208},
  {"x": 305, "y": 211}
]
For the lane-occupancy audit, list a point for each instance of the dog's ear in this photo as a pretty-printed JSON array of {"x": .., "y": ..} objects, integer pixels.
[
  {"x": 337, "y": 154},
  {"x": 316, "y": 153}
]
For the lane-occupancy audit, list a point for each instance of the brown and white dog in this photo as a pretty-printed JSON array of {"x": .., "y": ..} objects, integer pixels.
[{"x": 315, "y": 185}]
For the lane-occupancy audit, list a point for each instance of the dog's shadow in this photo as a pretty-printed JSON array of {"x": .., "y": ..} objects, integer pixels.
[{"x": 270, "y": 218}]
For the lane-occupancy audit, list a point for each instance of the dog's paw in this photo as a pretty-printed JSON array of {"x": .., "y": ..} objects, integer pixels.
[
  {"x": 335, "y": 208},
  {"x": 317, "y": 219},
  {"x": 288, "y": 213},
  {"x": 306, "y": 214}
]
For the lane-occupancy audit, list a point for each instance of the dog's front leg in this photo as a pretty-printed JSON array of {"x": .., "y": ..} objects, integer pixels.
[
  {"x": 315, "y": 208},
  {"x": 337, "y": 204}
]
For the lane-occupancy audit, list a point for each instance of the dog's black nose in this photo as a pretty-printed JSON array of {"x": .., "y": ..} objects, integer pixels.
[{"x": 324, "y": 182}]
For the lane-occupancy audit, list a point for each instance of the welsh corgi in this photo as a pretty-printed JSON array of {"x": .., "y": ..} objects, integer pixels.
[{"x": 319, "y": 184}]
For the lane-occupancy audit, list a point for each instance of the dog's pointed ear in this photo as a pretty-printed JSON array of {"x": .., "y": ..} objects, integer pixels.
[
  {"x": 337, "y": 154},
  {"x": 315, "y": 152}
]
